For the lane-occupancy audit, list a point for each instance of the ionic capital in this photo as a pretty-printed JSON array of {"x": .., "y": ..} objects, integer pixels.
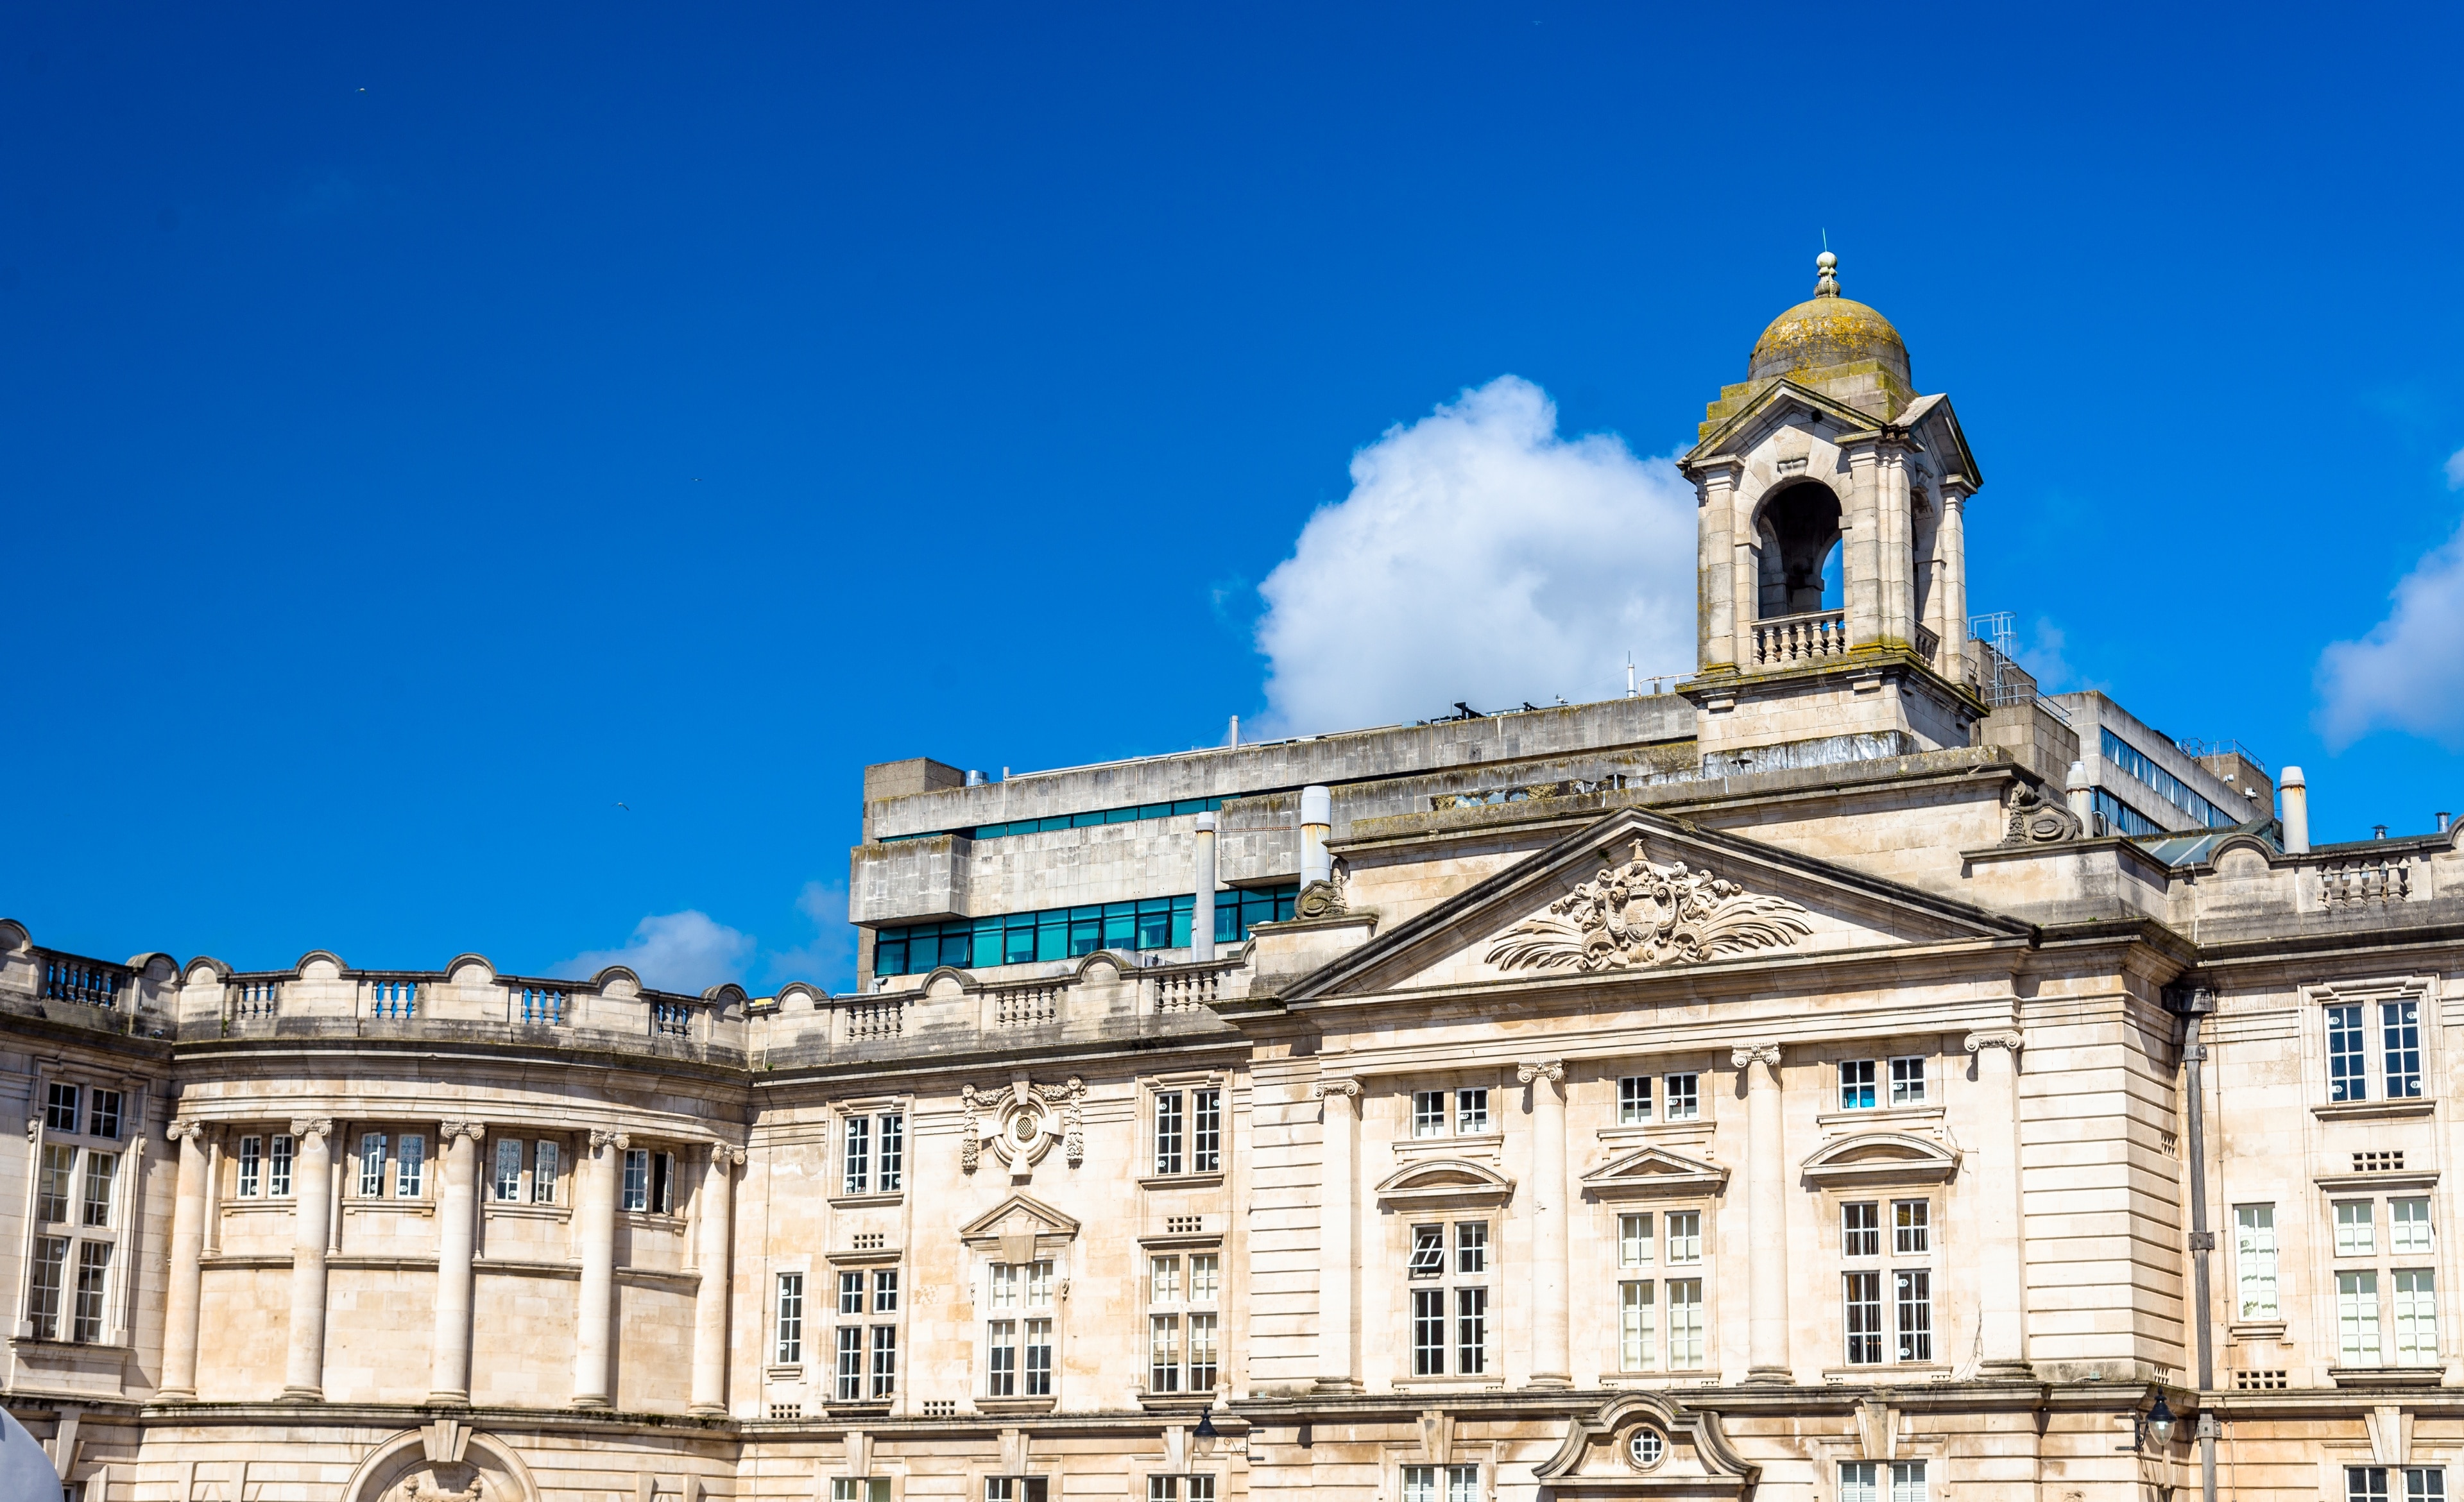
[
  {"x": 1336, "y": 1086},
  {"x": 608, "y": 1136},
  {"x": 1552, "y": 1070},
  {"x": 185, "y": 1130},
  {"x": 318, "y": 1127},
  {"x": 451, "y": 1130},
  {"x": 728, "y": 1157},
  {"x": 1995, "y": 1038},
  {"x": 1746, "y": 1053}
]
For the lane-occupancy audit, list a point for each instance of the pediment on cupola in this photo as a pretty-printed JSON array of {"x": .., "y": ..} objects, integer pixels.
[
  {"x": 1640, "y": 895},
  {"x": 1446, "y": 1182},
  {"x": 1881, "y": 1158},
  {"x": 1653, "y": 1172},
  {"x": 1022, "y": 1226},
  {"x": 1784, "y": 403}
]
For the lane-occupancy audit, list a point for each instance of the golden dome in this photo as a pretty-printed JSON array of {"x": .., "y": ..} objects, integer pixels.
[{"x": 1829, "y": 330}]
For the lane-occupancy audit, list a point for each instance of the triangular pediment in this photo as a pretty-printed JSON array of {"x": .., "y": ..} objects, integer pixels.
[
  {"x": 1640, "y": 895},
  {"x": 1881, "y": 1158},
  {"x": 1650, "y": 1172},
  {"x": 1785, "y": 401},
  {"x": 1019, "y": 1215}
]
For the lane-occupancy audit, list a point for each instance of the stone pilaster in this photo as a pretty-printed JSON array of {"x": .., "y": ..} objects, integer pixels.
[
  {"x": 594, "y": 1226},
  {"x": 715, "y": 1227},
  {"x": 303, "y": 1378},
  {"x": 457, "y": 1218},
  {"x": 1551, "y": 1339},
  {"x": 2002, "y": 1272},
  {"x": 187, "y": 1249},
  {"x": 1950, "y": 545},
  {"x": 1338, "y": 1312},
  {"x": 1766, "y": 1331}
]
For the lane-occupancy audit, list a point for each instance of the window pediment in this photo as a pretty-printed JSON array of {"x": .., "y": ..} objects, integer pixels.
[
  {"x": 1446, "y": 1181},
  {"x": 1651, "y": 1172},
  {"x": 1882, "y": 1158},
  {"x": 1695, "y": 1459},
  {"x": 1020, "y": 1227}
]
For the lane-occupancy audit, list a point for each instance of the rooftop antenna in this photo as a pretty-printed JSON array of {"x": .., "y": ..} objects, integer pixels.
[{"x": 1629, "y": 675}]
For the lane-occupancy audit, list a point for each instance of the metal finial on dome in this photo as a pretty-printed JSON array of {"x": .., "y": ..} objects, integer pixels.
[{"x": 1825, "y": 284}]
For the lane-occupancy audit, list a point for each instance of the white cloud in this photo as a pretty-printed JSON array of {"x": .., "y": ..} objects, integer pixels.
[
  {"x": 2043, "y": 657},
  {"x": 2456, "y": 470},
  {"x": 828, "y": 962},
  {"x": 686, "y": 952},
  {"x": 2407, "y": 673},
  {"x": 1481, "y": 557}
]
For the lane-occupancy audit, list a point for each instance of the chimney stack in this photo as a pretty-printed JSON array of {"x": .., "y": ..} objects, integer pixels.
[
  {"x": 2295, "y": 792},
  {"x": 2077, "y": 792},
  {"x": 1317, "y": 821},
  {"x": 1201, "y": 912}
]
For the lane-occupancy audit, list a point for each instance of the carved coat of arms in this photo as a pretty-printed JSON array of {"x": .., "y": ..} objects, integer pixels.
[{"x": 1643, "y": 913}]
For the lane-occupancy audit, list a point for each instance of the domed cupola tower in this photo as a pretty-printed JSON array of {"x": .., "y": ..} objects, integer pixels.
[{"x": 1826, "y": 448}]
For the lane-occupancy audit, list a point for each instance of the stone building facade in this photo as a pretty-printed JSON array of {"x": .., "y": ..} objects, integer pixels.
[{"x": 1851, "y": 1077}]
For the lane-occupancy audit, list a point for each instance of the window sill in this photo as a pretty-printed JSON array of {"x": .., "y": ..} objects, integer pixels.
[
  {"x": 1690, "y": 1375},
  {"x": 2375, "y": 1182},
  {"x": 1886, "y": 1374},
  {"x": 857, "y": 1408},
  {"x": 652, "y": 1221},
  {"x": 1205, "y": 1181},
  {"x": 1636, "y": 1134},
  {"x": 1477, "y": 1146},
  {"x": 2255, "y": 1331},
  {"x": 1178, "y": 1402},
  {"x": 858, "y": 1202},
  {"x": 369, "y": 1207},
  {"x": 1015, "y": 1404},
  {"x": 2387, "y": 1375},
  {"x": 257, "y": 1204},
  {"x": 1450, "y": 1384},
  {"x": 878, "y": 1257},
  {"x": 520, "y": 1211},
  {"x": 2373, "y": 1110},
  {"x": 1882, "y": 1116}
]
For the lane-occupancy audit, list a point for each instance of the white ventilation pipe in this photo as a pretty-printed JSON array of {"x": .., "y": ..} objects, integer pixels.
[
  {"x": 1317, "y": 821},
  {"x": 2295, "y": 791},
  {"x": 1201, "y": 912},
  {"x": 2081, "y": 795}
]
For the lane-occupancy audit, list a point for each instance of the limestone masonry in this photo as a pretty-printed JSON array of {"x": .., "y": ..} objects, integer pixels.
[{"x": 1851, "y": 1077}]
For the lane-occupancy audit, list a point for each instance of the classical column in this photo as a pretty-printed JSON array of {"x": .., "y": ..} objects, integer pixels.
[
  {"x": 2002, "y": 1272},
  {"x": 594, "y": 1223},
  {"x": 710, "y": 1300},
  {"x": 1767, "y": 1333},
  {"x": 1551, "y": 1363},
  {"x": 1715, "y": 629},
  {"x": 1898, "y": 594},
  {"x": 1861, "y": 547},
  {"x": 188, "y": 1248},
  {"x": 457, "y": 1217},
  {"x": 1338, "y": 1331},
  {"x": 303, "y": 1378},
  {"x": 1950, "y": 545}
]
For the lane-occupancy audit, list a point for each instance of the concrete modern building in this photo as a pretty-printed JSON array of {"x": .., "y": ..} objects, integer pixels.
[{"x": 1851, "y": 1077}]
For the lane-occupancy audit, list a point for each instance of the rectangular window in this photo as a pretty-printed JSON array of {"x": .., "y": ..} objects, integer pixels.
[
  {"x": 889, "y": 1166},
  {"x": 277, "y": 1174},
  {"x": 1421, "y": 1483},
  {"x": 791, "y": 1318},
  {"x": 1428, "y": 1113},
  {"x": 2348, "y": 1069},
  {"x": 2357, "y": 1318},
  {"x": 2254, "y": 1259},
  {"x": 860, "y": 1488},
  {"x": 1913, "y": 1293},
  {"x": 1634, "y": 1101},
  {"x": 858, "y": 1177},
  {"x": 885, "y": 1360},
  {"x": 103, "y": 1120},
  {"x": 1907, "y": 1481},
  {"x": 1202, "y": 1355},
  {"x": 372, "y": 1161},
  {"x": 1863, "y": 1306},
  {"x": 1861, "y": 1229},
  {"x": 1471, "y": 1247},
  {"x": 543, "y": 1171},
  {"x": 1911, "y": 1228},
  {"x": 60, "y": 1108},
  {"x": 251, "y": 1166},
  {"x": 43, "y": 1289},
  {"x": 94, "y": 1264},
  {"x": 1908, "y": 1082},
  {"x": 848, "y": 1377},
  {"x": 1857, "y": 1481},
  {"x": 1205, "y": 1275},
  {"x": 54, "y": 1187},
  {"x": 2355, "y": 1235},
  {"x": 1634, "y": 1240},
  {"x": 1857, "y": 1085},
  {"x": 2425, "y": 1483},
  {"x": 509, "y": 1170},
  {"x": 637, "y": 1179},
  {"x": 1428, "y": 1332},
  {"x": 2400, "y": 1040},
  {"x": 885, "y": 1291},
  {"x": 2366, "y": 1484},
  {"x": 1684, "y": 1237},
  {"x": 2416, "y": 1317},
  {"x": 1163, "y": 1280},
  {"x": 410, "y": 1166},
  {"x": 850, "y": 1293},
  {"x": 1471, "y": 1113},
  {"x": 663, "y": 1183},
  {"x": 1685, "y": 1323},
  {"x": 1683, "y": 1100},
  {"x": 1205, "y": 1131},
  {"x": 100, "y": 1170},
  {"x": 1471, "y": 1331},
  {"x": 1039, "y": 1358},
  {"x": 1001, "y": 1360},
  {"x": 2409, "y": 1226},
  {"x": 1014, "y": 1489},
  {"x": 1428, "y": 1251},
  {"x": 1638, "y": 1327},
  {"x": 1163, "y": 1354},
  {"x": 1168, "y": 1133}
]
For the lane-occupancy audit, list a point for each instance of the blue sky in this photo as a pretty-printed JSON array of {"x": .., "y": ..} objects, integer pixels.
[{"x": 424, "y": 432}]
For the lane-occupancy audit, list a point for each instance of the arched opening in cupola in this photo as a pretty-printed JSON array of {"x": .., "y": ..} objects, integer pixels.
[{"x": 1797, "y": 537}]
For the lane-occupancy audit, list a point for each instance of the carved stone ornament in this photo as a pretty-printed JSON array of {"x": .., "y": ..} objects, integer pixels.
[
  {"x": 1554, "y": 1069},
  {"x": 306, "y": 1127},
  {"x": 418, "y": 1489},
  {"x": 1019, "y": 1123},
  {"x": 2036, "y": 817},
  {"x": 731, "y": 1157},
  {"x": 1320, "y": 899},
  {"x": 1645, "y": 913}
]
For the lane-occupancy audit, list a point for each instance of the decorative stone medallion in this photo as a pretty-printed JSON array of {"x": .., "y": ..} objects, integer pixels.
[{"x": 1019, "y": 1123}]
